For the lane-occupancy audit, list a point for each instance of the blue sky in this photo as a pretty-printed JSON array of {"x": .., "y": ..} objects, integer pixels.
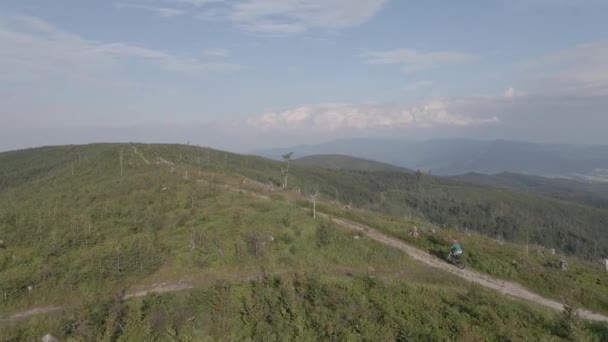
[{"x": 240, "y": 74}]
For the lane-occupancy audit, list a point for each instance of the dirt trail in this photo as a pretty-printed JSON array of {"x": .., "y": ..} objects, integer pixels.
[
  {"x": 153, "y": 289},
  {"x": 504, "y": 287},
  {"x": 32, "y": 312},
  {"x": 158, "y": 289},
  {"x": 137, "y": 152}
]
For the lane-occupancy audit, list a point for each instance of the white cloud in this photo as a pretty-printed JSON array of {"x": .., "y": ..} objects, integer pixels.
[
  {"x": 194, "y": 2},
  {"x": 291, "y": 16},
  {"x": 56, "y": 76},
  {"x": 581, "y": 69},
  {"x": 336, "y": 117},
  {"x": 271, "y": 17},
  {"x": 552, "y": 3},
  {"x": 512, "y": 93},
  {"x": 415, "y": 86},
  {"x": 216, "y": 52},
  {"x": 30, "y": 45},
  {"x": 412, "y": 60},
  {"x": 161, "y": 11}
]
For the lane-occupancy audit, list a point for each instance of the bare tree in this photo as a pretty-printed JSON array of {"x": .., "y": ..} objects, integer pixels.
[
  {"x": 285, "y": 171},
  {"x": 313, "y": 197},
  {"x": 88, "y": 232},
  {"x": 120, "y": 157}
]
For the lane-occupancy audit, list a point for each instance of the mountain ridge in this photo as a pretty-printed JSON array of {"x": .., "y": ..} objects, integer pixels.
[{"x": 459, "y": 156}]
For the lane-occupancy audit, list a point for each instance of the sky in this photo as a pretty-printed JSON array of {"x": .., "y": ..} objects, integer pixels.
[{"x": 249, "y": 74}]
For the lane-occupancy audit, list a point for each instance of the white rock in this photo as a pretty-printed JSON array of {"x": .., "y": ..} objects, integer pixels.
[{"x": 49, "y": 338}]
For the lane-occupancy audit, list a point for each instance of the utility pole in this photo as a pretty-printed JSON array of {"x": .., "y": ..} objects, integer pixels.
[
  {"x": 120, "y": 158},
  {"x": 88, "y": 232},
  {"x": 40, "y": 225},
  {"x": 314, "y": 204},
  {"x": 118, "y": 259},
  {"x": 285, "y": 171}
]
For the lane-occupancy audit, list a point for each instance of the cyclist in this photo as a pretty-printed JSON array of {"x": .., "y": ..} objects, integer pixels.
[{"x": 456, "y": 249}]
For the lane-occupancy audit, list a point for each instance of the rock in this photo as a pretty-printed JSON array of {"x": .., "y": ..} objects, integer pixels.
[
  {"x": 414, "y": 232},
  {"x": 563, "y": 264},
  {"x": 49, "y": 338}
]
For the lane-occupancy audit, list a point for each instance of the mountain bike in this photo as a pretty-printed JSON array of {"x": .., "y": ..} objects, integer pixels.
[{"x": 455, "y": 260}]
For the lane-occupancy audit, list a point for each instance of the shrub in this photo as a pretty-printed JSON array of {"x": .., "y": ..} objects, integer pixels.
[{"x": 324, "y": 234}]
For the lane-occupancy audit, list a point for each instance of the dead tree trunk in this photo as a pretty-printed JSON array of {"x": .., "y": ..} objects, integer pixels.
[
  {"x": 118, "y": 259},
  {"x": 314, "y": 204},
  {"x": 120, "y": 159},
  {"x": 285, "y": 171}
]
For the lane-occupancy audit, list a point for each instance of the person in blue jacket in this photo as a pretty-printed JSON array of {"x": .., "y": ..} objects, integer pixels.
[{"x": 456, "y": 249}]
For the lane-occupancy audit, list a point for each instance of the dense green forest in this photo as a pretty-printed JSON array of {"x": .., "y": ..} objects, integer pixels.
[
  {"x": 83, "y": 225},
  {"x": 589, "y": 193},
  {"x": 571, "y": 226}
]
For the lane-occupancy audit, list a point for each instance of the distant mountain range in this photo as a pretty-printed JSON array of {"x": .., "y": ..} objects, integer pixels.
[
  {"x": 461, "y": 156},
  {"x": 342, "y": 162}
]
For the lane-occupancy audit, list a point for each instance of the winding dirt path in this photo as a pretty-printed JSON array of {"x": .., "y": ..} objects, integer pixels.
[
  {"x": 505, "y": 287},
  {"x": 159, "y": 289},
  {"x": 32, "y": 312},
  {"x": 138, "y": 153},
  {"x": 152, "y": 289}
]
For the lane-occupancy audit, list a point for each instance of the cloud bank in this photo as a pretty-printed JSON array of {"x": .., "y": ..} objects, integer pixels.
[
  {"x": 270, "y": 17},
  {"x": 339, "y": 117},
  {"x": 412, "y": 60}
]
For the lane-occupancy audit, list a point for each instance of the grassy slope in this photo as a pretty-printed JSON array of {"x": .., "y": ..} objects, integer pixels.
[
  {"x": 94, "y": 232},
  {"x": 82, "y": 238}
]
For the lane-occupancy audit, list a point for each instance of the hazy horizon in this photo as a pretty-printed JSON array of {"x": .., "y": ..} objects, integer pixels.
[{"x": 153, "y": 135}]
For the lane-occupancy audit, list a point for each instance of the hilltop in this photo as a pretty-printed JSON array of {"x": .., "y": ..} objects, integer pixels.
[{"x": 92, "y": 229}]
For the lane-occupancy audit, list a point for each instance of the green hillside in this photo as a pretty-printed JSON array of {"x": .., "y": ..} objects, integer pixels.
[
  {"x": 593, "y": 194},
  {"x": 83, "y": 225},
  {"x": 570, "y": 226}
]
